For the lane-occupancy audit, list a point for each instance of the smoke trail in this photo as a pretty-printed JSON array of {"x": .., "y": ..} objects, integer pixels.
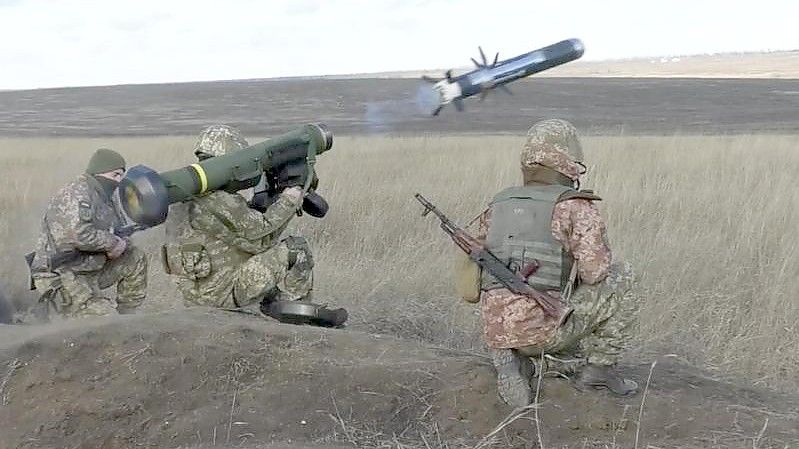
[{"x": 387, "y": 115}]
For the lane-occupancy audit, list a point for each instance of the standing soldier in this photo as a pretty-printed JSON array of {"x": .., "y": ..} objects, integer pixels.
[
  {"x": 224, "y": 253},
  {"x": 78, "y": 254},
  {"x": 550, "y": 226}
]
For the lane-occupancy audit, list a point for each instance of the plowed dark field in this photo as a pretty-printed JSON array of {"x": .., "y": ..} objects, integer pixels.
[{"x": 358, "y": 106}]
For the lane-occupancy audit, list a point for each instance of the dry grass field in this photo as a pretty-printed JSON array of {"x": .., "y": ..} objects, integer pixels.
[{"x": 709, "y": 223}]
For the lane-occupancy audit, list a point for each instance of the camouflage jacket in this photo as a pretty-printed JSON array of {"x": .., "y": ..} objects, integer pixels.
[
  {"x": 210, "y": 237},
  {"x": 80, "y": 217},
  {"x": 511, "y": 320}
]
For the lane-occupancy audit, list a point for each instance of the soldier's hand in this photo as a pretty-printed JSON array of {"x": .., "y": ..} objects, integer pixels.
[
  {"x": 294, "y": 194},
  {"x": 118, "y": 249},
  {"x": 261, "y": 201}
]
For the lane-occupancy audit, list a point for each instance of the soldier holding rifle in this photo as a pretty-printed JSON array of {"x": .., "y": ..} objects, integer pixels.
[
  {"x": 84, "y": 248},
  {"x": 541, "y": 268}
]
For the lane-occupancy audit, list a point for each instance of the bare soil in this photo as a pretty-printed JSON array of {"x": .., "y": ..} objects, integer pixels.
[{"x": 219, "y": 379}]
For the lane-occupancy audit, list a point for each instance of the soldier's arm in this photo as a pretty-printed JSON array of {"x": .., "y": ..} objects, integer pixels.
[
  {"x": 71, "y": 221},
  {"x": 232, "y": 211},
  {"x": 578, "y": 225},
  {"x": 277, "y": 216}
]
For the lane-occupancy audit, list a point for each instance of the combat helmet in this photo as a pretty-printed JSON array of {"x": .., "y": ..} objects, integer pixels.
[
  {"x": 555, "y": 145},
  {"x": 217, "y": 140}
]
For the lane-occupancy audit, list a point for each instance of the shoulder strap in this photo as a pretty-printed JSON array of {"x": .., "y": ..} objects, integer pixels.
[
  {"x": 579, "y": 194},
  {"x": 541, "y": 193}
]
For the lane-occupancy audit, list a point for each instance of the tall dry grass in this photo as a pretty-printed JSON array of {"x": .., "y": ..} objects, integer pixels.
[{"x": 709, "y": 222}]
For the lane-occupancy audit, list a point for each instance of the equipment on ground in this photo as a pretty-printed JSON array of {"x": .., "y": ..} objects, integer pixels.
[
  {"x": 493, "y": 265},
  {"x": 146, "y": 195},
  {"x": 498, "y": 73},
  {"x": 304, "y": 312}
]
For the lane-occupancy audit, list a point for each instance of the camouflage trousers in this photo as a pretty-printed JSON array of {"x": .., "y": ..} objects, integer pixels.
[
  {"x": 284, "y": 272},
  {"x": 604, "y": 319},
  {"x": 78, "y": 294}
]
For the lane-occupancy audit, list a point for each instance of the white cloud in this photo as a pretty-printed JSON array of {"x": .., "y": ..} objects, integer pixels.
[{"x": 86, "y": 42}]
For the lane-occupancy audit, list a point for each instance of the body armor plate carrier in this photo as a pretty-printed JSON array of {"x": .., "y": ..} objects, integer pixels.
[{"x": 520, "y": 235}]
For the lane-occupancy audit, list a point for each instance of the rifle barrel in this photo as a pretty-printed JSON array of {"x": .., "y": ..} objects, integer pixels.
[{"x": 429, "y": 207}]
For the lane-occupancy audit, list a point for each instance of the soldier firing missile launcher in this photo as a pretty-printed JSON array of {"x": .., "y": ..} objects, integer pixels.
[
  {"x": 495, "y": 75},
  {"x": 146, "y": 195}
]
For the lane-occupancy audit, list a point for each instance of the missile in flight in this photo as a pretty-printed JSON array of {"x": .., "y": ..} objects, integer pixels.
[{"x": 485, "y": 77}]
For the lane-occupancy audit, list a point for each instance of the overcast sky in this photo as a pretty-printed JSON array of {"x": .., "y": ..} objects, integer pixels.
[{"x": 46, "y": 43}]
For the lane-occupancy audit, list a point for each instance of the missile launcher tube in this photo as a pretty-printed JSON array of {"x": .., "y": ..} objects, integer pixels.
[{"x": 146, "y": 195}]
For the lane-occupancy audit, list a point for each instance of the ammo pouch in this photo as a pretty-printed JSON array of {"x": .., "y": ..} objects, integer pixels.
[
  {"x": 54, "y": 299},
  {"x": 189, "y": 260},
  {"x": 296, "y": 246},
  {"x": 52, "y": 296}
]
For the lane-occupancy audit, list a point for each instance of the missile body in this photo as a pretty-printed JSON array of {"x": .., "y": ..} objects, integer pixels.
[{"x": 495, "y": 75}]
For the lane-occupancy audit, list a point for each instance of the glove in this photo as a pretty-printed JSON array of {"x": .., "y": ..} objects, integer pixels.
[
  {"x": 294, "y": 193},
  {"x": 262, "y": 200},
  {"x": 118, "y": 248}
]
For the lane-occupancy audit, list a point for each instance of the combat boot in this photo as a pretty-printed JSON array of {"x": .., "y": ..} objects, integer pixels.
[
  {"x": 514, "y": 373},
  {"x": 599, "y": 376},
  {"x": 267, "y": 299}
]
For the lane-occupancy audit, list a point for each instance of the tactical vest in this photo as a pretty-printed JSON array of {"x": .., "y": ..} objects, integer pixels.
[{"x": 520, "y": 234}]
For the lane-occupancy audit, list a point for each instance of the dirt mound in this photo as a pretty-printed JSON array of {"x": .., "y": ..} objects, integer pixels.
[{"x": 216, "y": 379}]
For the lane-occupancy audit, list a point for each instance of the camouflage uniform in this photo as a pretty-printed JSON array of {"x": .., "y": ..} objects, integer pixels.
[
  {"x": 602, "y": 296},
  {"x": 81, "y": 217},
  {"x": 224, "y": 253},
  {"x": 599, "y": 290}
]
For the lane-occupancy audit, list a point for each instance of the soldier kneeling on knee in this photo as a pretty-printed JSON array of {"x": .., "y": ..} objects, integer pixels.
[
  {"x": 78, "y": 253},
  {"x": 555, "y": 228},
  {"x": 226, "y": 252}
]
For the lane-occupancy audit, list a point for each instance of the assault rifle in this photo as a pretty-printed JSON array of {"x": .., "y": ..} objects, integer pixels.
[
  {"x": 492, "y": 264},
  {"x": 64, "y": 257}
]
